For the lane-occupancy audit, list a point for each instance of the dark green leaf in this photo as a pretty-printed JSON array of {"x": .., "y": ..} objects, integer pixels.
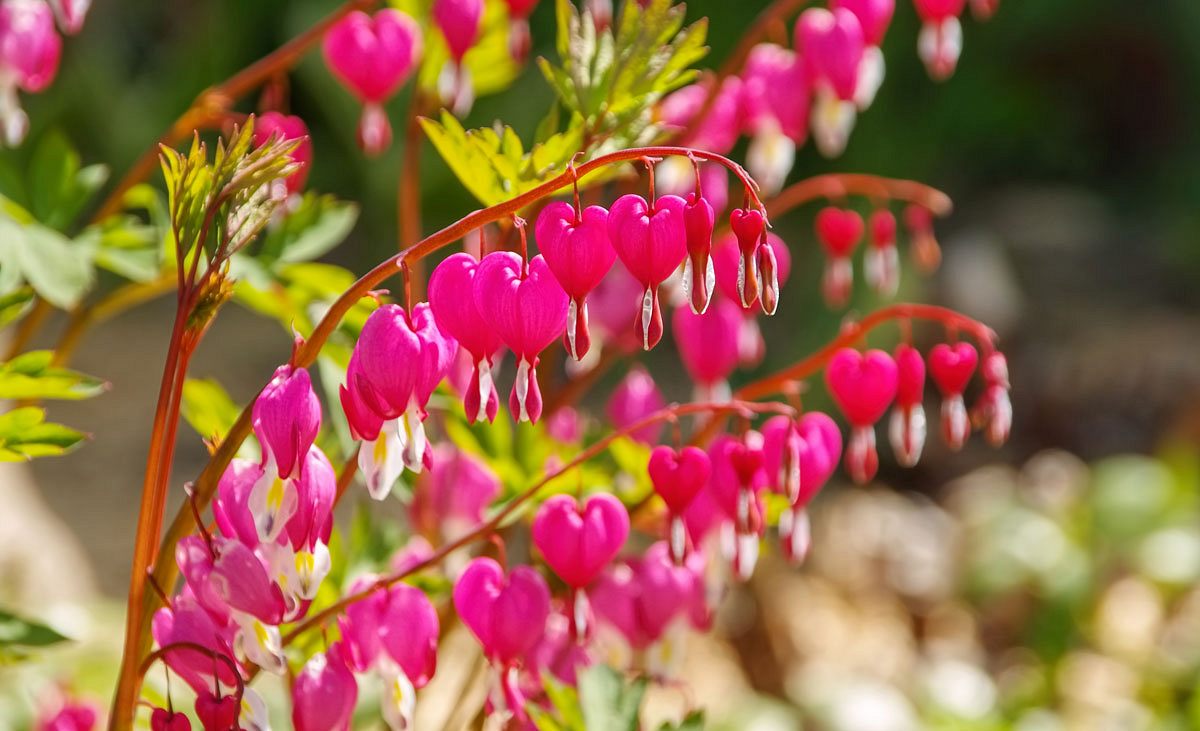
[
  {"x": 51, "y": 173},
  {"x": 20, "y": 632},
  {"x": 15, "y": 304},
  {"x": 694, "y": 721}
]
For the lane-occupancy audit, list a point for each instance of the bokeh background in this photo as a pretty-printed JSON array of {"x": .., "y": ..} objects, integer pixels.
[{"x": 1050, "y": 584}]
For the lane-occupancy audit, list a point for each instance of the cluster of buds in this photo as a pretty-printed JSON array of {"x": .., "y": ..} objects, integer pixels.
[
  {"x": 841, "y": 230},
  {"x": 262, "y": 569},
  {"x": 30, "y": 49}
]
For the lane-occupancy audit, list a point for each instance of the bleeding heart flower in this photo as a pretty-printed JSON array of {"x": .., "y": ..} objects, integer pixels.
[
  {"x": 528, "y": 310},
  {"x": 863, "y": 385},
  {"x": 460, "y": 22},
  {"x": 737, "y": 479},
  {"x": 284, "y": 128},
  {"x": 636, "y": 397},
  {"x": 776, "y": 119},
  {"x": 324, "y": 693},
  {"x": 940, "y": 41},
  {"x": 832, "y": 45},
  {"x": 507, "y": 614},
  {"x": 187, "y": 621},
  {"x": 708, "y": 345},
  {"x": 163, "y": 720},
  {"x": 217, "y": 713},
  {"x": 286, "y": 418},
  {"x": 881, "y": 265},
  {"x": 450, "y": 499},
  {"x": 951, "y": 368},
  {"x": 579, "y": 541},
  {"x": 68, "y": 714},
  {"x": 373, "y": 56},
  {"x": 652, "y": 243},
  {"x": 698, "y": 277},
  {"x": 718, "y": 132},
  {"x": 907, "y": 428},
  {"x": 409, "y": 631},
  {"x": 72, "y": 13},
  {"x": 677, "y": 478},
  {"x": 839, "y": 231},
  {"x": 577, "y": 251},
  {"x": 726, "y": 260},
  {"x": 875, "y": 16},
  {"x": 457, "y": 315},
  {"x": 30, "y": 49}
]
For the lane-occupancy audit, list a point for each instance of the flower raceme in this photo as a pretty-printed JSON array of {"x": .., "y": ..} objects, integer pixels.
[
  {"x": 373, "y": 55},
  {"x": 451, "y": 288},
  {"x": 651, "y": 240},
  {"x": 839, "y": 230}
]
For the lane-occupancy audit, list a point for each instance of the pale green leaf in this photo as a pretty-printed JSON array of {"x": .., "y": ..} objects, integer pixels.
[
  {"x": 25, "y": 434},
  {"x": 31, "y": 376},
  {"x": 208, "y": 408},
  {"x": 607, "y": 701},
  {"x": 15, "y": 304}
]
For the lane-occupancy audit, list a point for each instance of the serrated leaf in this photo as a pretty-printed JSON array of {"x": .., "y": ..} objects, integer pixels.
[
  {"x": 208, "y": 408},
  {"x": 25, "y": 434},
  {"x": 607, "y": 701},
  {"x": 17, "y": 631},
  {"x": 31, "y": 376}
]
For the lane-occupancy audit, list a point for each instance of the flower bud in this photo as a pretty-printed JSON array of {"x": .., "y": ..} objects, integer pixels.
[{"x": 287, "y": 417}]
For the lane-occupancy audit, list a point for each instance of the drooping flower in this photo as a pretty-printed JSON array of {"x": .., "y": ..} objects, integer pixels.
[
  {"x": 940, "y": 41},
  {"x": 506, "y": 612},
  {"x": 881, "y": 265},
  {"x": 736, "y": 482},
  {"x": 678, "y": 477},
  {"x": 527, "y": 308},
  {"x": 614, "y": 309},
  {"x": 699, "y": 217},
  {"x": 373, "y": 55},
  {"x": 636, "y": 397},
  {"x": 30, "y": 48},
  {"x": 457, "y": 314},
  {"x": 708, "y": 345},
  {"x": 951, "y": 368},
  {"x": 799, "y": 456},
  {"x": 186, "y": 621},
  {"x": 285, "y": 127},
  {"x": 925, "y": 249},
  {"x": 831, "y": 43},
  {"x": 726, "y": 257},
  {"x": 993, "y": 412},
  {"x": 162, "y": 719},
  {"x": 286, "y": 418},
  {"x": 518, "y": 28},
  {"x": 576, "y": 248},
  {"x": 460, "y": 22},
  {"x": 776, "y": 104},
  {"x": 68, "y": 714},
  {"x": 863, "y": 385},
  {"x": 651, "y": 240},
  {"x": 749, "y": 227},
  {"x": 324, "y": 693},
  {"x": 839, "y": 230},
  {"x": 875, "y": 16},
  {"x": 71, "y": 14},
  {"x": 718, "y": 131},
  {"x": 907, "y": 429}
]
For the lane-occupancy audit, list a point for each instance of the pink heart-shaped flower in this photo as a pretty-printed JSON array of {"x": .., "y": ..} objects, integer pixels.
[
  {"x": 735, "y": 467},
  {"x": 678, "y": 476},
  {"x": 910, "y": 369},
  {"x": 935, "y": 11},
  {"x": 820, "y": 452},
  {"x": 507, "y": 614},
  {"x": 839, "y": 230},
  {"x": 285, "y": 127},
  {"x": 579, "y": 542},
  {"x": 459, "y": 21},
  {"x": 951, "y": 366},
  {"x": 862, "y": 384},
  {"x": 408, "y": 631},
  {"x": 575, "y": 247},
  {"x": 373, "y": 55},
  {"x": 437, "y": 352},
  {"x": 874, "y": 15},
  {"x": 163, "y": 720},
  {"x": 385, "y": 353},
  {"x": 450, "y": 288},
  {"x": 725, "y": 263},
  {"x": 708, "y": 343},
  {"x": 527, "y": 311},
  {"x": 651, "y": 240},
  {"x": 832, "y": 45}
]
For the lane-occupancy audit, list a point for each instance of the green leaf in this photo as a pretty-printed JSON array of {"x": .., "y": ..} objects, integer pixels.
[
  {"x": 314, "y": 228},
  {"x": 58, "y": 269},
  {"x": 608, "y": 702},
  {"x": 15, "y": 304},
  {"x": 25, "y": 434},
  {"x": 208, "y": 408},
  {"x": 565, "y": 701},
  {"x": 31, "y": 376},
  {"x": 20, "y": 632},
  {"x": 51, "y": 172},
  {"x": 694, "y": 721}
]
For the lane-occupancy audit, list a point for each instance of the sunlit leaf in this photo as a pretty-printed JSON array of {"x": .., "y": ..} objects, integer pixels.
[
  {"x": 15, "y": 304},
  {"x": 17, "y": 631},
  {"x": 608, "y": 702},
  {"x": 31, "y": 376},
  {"x": 25, "y": 434},
  {"x": 208, "y": 408}
]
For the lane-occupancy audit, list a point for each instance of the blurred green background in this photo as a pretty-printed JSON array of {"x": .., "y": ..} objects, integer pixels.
[{"x": 1068, "y": 140}]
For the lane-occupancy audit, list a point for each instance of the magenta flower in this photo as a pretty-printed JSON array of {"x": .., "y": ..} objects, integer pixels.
[
  {"x": 240, "y": 579},
  {"x": 460, "y": 22},
  {"x": 832, "y": 45},
  {"x": 718, "y": 132},
  {"x": 993, "y": 412},
  {"x": 287, "y": 417},
  {"x": 578, "y": 541},
  {"x": 324, "y": 693},
  {"x": 557, "y": 654},
  {"x": 163, "y": 720},
  {"x": 186, "y": 621},
  {"x": 777, "y": 121},
  {"x": 527, "y": 308},
  {"x": 874, "y": 16},
  {"x": 519, "y": 41},
  {"x": 708, "y": 346},
  {"x": 737, "y": 480},
  {"x": 450, "y": 499},
  {"x": 30, "y": 48},
  {"x": 285, "y": 127},
  {"x": 678, "y": 477},
  {"x": 71, "y": 14},
  {"x": 881, "y": 265},
  {"x": 576, "y": 248},
  {"x": 615, "y": 305},
  {"x": 907, "y": 429},
  {"x": 726, "y": 262},
  {"x": 373, "y": 56},
  {"x": 652, "y": 242},
  {"x": 458, "y": 316},
  {"x": 68, "y": 715},
  {"x": 699, "y": 218},
  {"x": 940, "y": 41},
  {"x": 839, "y": 230},
  {"x": 799, "y": 457},
  {"x": 863, "y": 385},
  {"x": 636, "y": 397},
  {"x": 951, "y": 368},
  {"x": 506, "y": 613}
]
